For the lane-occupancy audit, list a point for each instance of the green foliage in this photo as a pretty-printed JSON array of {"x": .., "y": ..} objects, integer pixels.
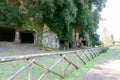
[
  {"x": 88, "y": 17},
  {"x": 93, "y": 21},
  {"x": 40, "y": 9},
  {"x": 62, "y": 19},
  {"x": 2, "y": 2},
  {"x": 57, "y": 14},
  {"x": 10, "y": 15},
  {"x": 99, "y": 4},
  {"x": 61, "y": 16},
  {"x": 104, "y": 49},
  {"x": 94, "y": 38},
  {"x": 81, "y": 20}
]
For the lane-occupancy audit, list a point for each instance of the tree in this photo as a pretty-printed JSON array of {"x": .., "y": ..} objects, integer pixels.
[
  {"x": 10, "y": 15},
  {"x": 61, "y": 16},
  {"x": 61, "y": 21},
  {"x": 99, "y": 4},
  {"x": 2, "y": 3},
  {"x": 88, "y": 17}
]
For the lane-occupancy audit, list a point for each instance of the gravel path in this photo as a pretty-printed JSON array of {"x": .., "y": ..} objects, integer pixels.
[
  {"x": 108, "y": 69},
  {"x": 12, "y": 49}
]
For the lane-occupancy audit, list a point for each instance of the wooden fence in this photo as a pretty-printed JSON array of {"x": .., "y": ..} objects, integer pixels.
[{"x": 87, "y": 54}]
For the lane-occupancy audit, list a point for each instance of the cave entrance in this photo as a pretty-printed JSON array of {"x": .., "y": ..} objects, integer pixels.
[
  {"x": 7, "y": 34},
  {"x": 26, "y": 36},
  {"x": 84, "y": 42},
  {"x": 62, "y": 45}
]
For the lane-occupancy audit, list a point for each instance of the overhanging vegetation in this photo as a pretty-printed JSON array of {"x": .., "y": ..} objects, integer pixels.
[{"x": 61, "y": 16}]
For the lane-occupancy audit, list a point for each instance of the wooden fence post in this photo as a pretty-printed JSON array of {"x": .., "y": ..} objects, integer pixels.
[
  {"x": 91, "y": 53},
  {"x": 80, "y": 58},
  {"x": 86, "y": 56},
  {"x": 20, "y": 70},
  {"x": 29, "y": 70},
  {"x": 62, "y": 65}
]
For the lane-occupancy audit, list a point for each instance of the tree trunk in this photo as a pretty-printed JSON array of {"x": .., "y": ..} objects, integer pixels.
[
  {"x": 38, "y": 27},
  {"x": 74, "y": 38}
]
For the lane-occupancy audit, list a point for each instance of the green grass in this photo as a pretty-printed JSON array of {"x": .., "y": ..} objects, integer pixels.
[
  {"x": 117, "y": 52},
  {"x": 9, "y": 68},
  {"x": 84, "y": 68}
]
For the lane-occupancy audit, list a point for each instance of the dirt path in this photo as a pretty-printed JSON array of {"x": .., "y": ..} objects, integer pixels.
[
  {"x": 12, "y": 49},
  {"x": 108, "y": 69}
]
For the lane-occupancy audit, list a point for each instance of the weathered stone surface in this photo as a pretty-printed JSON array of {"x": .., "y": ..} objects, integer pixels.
[
  {"x": 17, "y": 39},
  {"x": 50, "y": 39}
]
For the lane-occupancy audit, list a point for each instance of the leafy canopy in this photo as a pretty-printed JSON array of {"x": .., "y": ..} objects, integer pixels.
[
  {"x": 10, "y": 15},
  {"x": 60, "y": 15}
]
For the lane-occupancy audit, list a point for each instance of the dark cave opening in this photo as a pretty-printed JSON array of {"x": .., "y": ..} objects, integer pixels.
[
  {"x": 7, "y": 34},
  {"x": 27, "y": 36}
]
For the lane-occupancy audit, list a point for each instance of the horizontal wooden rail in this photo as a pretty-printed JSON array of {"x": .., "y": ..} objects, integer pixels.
[
  {"x": 21, "y": 57},
  {"x": 86, "y": 53}
]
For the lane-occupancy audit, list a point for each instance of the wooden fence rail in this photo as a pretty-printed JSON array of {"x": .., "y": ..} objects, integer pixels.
[{"x": 87, "y": 54}]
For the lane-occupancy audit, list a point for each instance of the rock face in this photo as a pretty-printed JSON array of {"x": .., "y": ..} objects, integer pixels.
[
  {"x": 50, "y": 39},
  {"x": 17, "y": 39}
]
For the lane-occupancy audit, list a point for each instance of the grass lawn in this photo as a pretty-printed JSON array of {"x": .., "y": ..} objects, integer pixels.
[
  {"x": 117, "y": 52},
  {"x": 9, "y": 68}
]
